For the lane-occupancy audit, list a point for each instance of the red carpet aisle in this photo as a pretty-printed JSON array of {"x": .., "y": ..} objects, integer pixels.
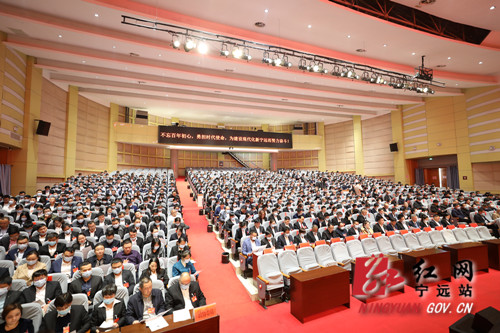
[{"x": 238, "y": 314}]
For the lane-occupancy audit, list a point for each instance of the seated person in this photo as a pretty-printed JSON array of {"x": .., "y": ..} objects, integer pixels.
[
  {"x": 269, "y": 241},
  {"x": 86, "y": 283},
  {"x": 67, "y": 233},
  {"x": 257, "y": 228},
  {"x": 20, "y": 252},
  {"x": 134, "y": 239},
  {"x": 157, "y": 223},
  {"x": 13, "y": 322},
  {"x": 8, "y": 296},
  {"x": 82, "y": 242},
  {"x": 156, "y": 250},
  {"x": 120, "y": 276},
  {"x": 117, "y": 228},
  {"x": 340, "y": 232},
  {"x": 178, "y": 223},
  {"x": 67, "y": 264},
  {"x": 93, "y": 230},
  {"x": 155, "y": 233},
  {"x": 42, "y": 291},
  {"x": 56, "y": 225},
  {"x": 52, "y": 247},
  {"x": 128, "y": 255},
  {"x": 7, "y": 242},
  {"x": 100, "y": 258},
  {"x": 249, "y": 246},
  {"x": 380, "y": 227},
  {"x": 241, "y": 232},
  {"x": 185, "y": 295},
  {"x": 25, "y": 271},
  {"x": 41, "y": 237},
  {"x": 329, "y": 232},
  {"x": 111, "y": 242},
  {"x": 183, "y": 265},
  {"x": 313, "y": 236},
  {"x": 137, "y": 225},
  {"x": 178, "y": 233},
  {"x": 111, "y": 313},
  {"x": 155, "y": 272},
  {"x": 180, "y": 247},
  {"x": 146, "y": 303},
  {"x": 355, "y": 229},
  {"x": 300, "y": 237},
  {"x": 66, "y": 317},
  {"x": 285, "y": 239}
]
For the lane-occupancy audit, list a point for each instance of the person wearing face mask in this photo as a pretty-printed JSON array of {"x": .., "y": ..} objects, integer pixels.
[
  {"x": 146, "y": 303},
  {"x": 313, "y": 236},
  {"x": 42, "y": 291},
  {"x": 240, "y": 232},
  {"x": 81, "y": 243},
  {"x": 257, "y": 228},
  {"x": 329, "y": 232},
  {"x": 137, "y": 225},
  {"x": 66, "y": 317},
  {"x": 19, "y": 252},
  {"x": 128, "y": 255},
  {"x": 249, "y": 246},
  {"x": 424, "y": 223},
  {"x": 179, "y": 223},
  {"x": 184, "y": 265},
  {"x": 110, "y": 242},
  {"x": 355, "y": 229},
  {"x": 273, "y": 227},
  {"x": 340, "y": 232},
  {"x": 4, "y": 226},
  {"x": 79, "y": 221},
  {"x": 67, "y": 233},
  {"x": 111, "y": 313},
  {"x": 8, "y": 296},
  {"x": 52, "y": 247},
  {"x": 67, "y": 264},
  {"x": 185, "y": 294},
  {"x": 156, "y": 250},
  {"x": 269, "y": 241},
  {"x": 301, "y": 237},
  {"x": 118, "y": 229},
  {"x": 285, "y": 239},
  {"x": 179, "y": 231},
  {"x": 120, "y": 277},
  {"x": 181, "y": 246},
  {"x": 16, "y": 213},
  {"x": 33, "y": 263},
  {"x": 86, "y": 283},
  {"x": 99, "y": 258},
  {"x": 10, "y": 206}
]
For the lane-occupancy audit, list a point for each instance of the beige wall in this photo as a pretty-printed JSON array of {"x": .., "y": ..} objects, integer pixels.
[
  {"x": 92, "y": 136},
  {"x": 377, "y": 135},
  {"x": 307, "y": 159},
  {"x": 53, "y": 110},
  {"x": 486, "y": 176},
  {"x": 339, "y": 146}
]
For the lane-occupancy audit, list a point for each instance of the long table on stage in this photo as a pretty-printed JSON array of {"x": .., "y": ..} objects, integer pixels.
[
  {"x": 188, "y": 326},
  {"x": 493, "y": 253},
  {"x": 476, "y": 252},
  {"x": 440, "y": 259},
  {"x": 317, "y": 291}
]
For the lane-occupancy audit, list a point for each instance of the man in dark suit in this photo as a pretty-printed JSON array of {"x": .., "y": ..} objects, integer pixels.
[
  {"x": 329, "y": 233},
  {"x": 46, "y": 291},
  {"x": 355, "y": 229},
  {"x": 86, "y": 284},
  {"x": 340, "y": 232},
  {"x": 379, "y": 227},
  {"x": 8, "y": 296},
  {"x": 313, "y": 236},
  {"x": 20, "y": 252},
  {"x": 241, "y": 232},
  {"x": 93, "y": 231},
  {"x": 338, "y": 219},
  {"x": 100, "y": 258},
  {"x": 300, "y": 237},
  {"x": 65, "y": 314},
  {"x": 300, "y": 223},
  {"x": 322, "y": 213},
  {"x": 286, "y": 223},
  {"x": 147, "y": 297},
  {"x": 185, "y": 289},
  {"x": 401, "y": 224},
  {"x": 257, "y": 228},
  {"x": 424, "y": 223},
  {"x": 435, "y": 221},
  {"x": 52, "y": 247},
  {"x": 120, "y": 276},
  {"x": 273, "y": 227},
  {"x": 391, "y": 226},
  {"x": 479, "y": 217},
  {"x": 99, "y": 315},
  {"x": 282, "y": 239},
  {"x": 111, "y": 242},
  {"x": 269, "y": 241},
  {"x": 68, "y": 263},
  {"x": 134, "y": 239},
  {"x": 362, "y": 217}
]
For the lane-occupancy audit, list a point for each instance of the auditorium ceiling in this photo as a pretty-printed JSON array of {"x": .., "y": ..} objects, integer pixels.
[{"x": 83, "y": 43}]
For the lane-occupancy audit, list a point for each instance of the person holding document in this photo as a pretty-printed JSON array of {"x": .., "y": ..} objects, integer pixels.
[
  {"x": 185, "y": 295},
  {"x": 111, "y": 313},
  {"x": 145, "y": 304},
  {"x": 250, "y": 245},
  {"x": 184, "y": 265}
]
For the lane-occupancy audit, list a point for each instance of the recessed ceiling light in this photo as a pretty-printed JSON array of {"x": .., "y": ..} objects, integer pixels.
[
  {"x": 413, "y": 53},
  {"x": 480, "y": 62},
  {"x": 348, "y": 36},
  {"x": 60, "y": 36},
  {"x": 449, "y": 58},
  {"x": 266, "y": 10},
  {"x": 114, "y": 46},
  {"x": 309, "y": 26},
  {"x": 492, "y": 7},
  {"x": 96, "y": 14},
  {"x": 456, "y": 84},
  {"x": 83, "y": 61},
  {"x": 385, "y": 45},
  {"x": 159, "y": 55}
]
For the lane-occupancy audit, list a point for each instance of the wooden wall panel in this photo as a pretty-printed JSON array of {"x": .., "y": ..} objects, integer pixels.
[
  {"x": 307, "y": 159},
  {"x": 51, "y": 148},
  {"x": 486, "y": 177},
  {"x": 377, "y": 135},
  {"x": 339, "y": 146},
  {"x": 132, "y": 156},
  {"x": 92, "y": 135}
]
